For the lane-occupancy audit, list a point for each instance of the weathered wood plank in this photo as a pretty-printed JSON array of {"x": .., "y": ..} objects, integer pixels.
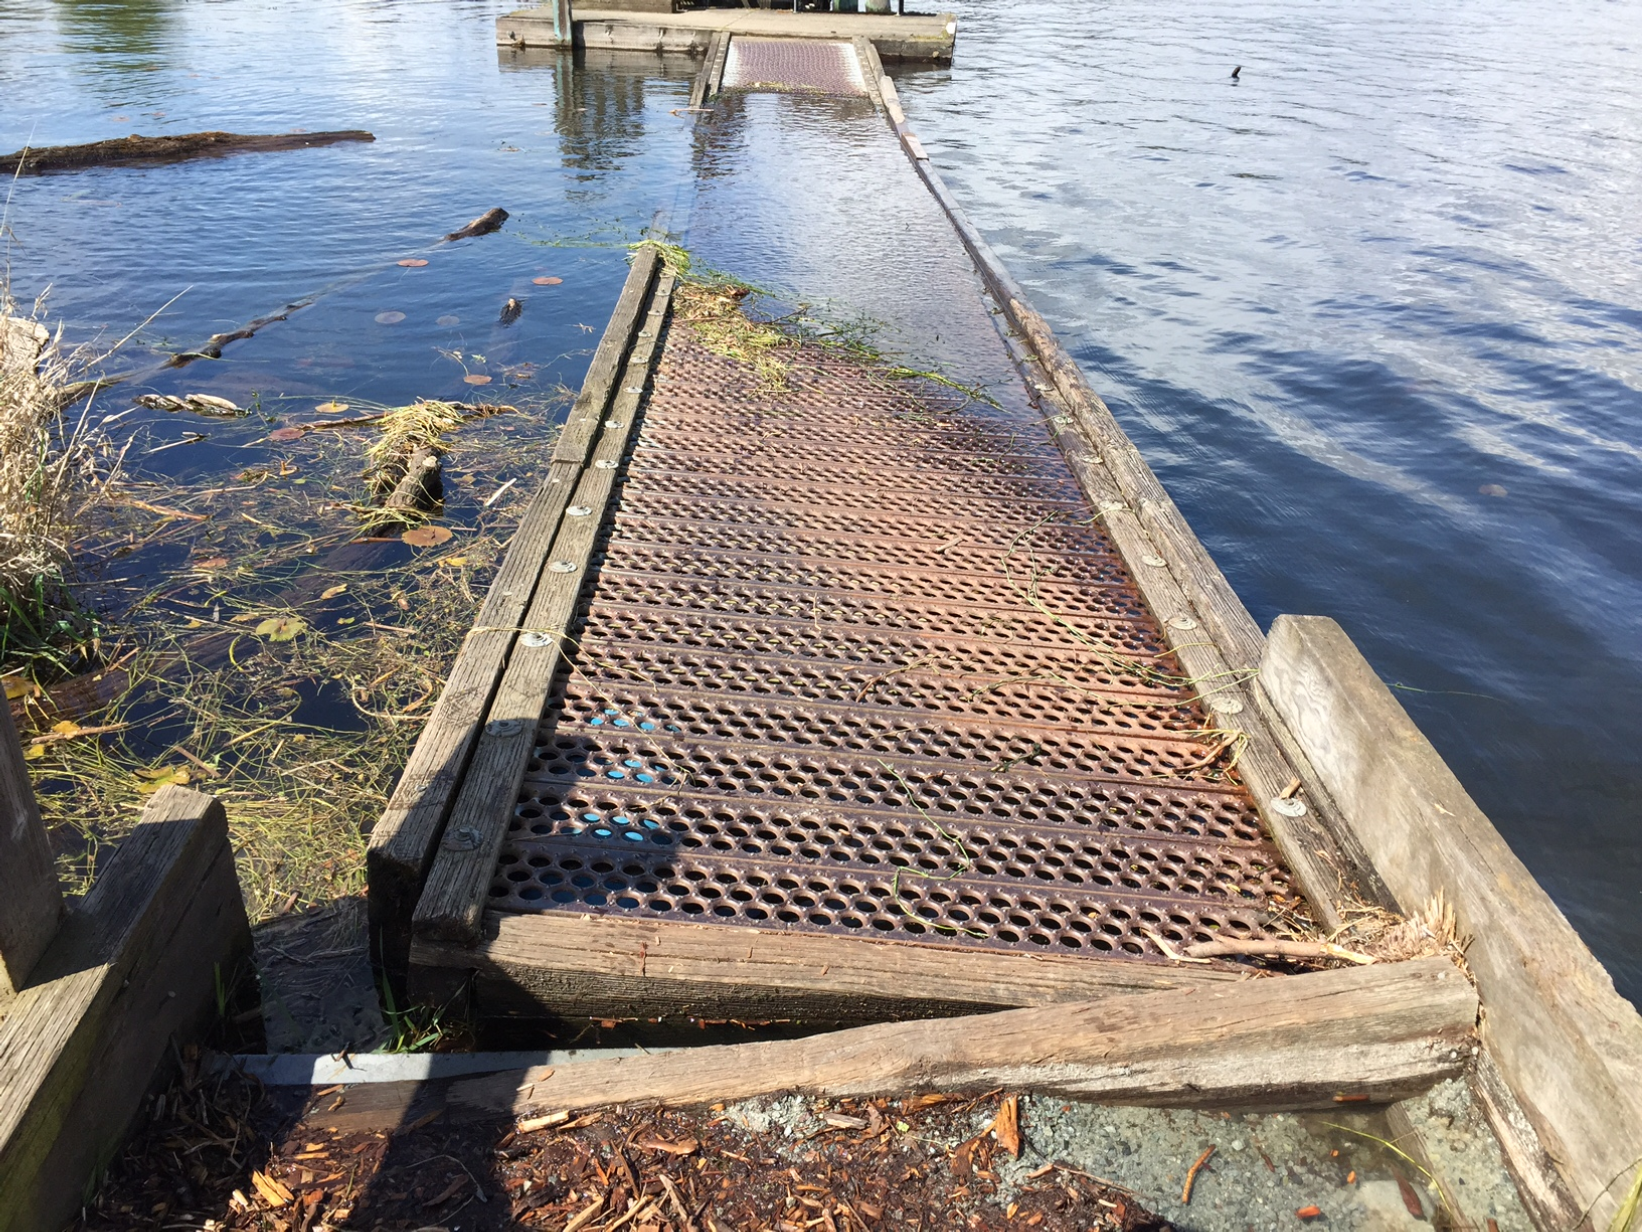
[
  {"x": 569, "y": 965},
  {"x": 1568, "y": 1046},
  {"x": 135, "y": 964},
  {"x": 706, "y": 83},
  {"x": 31, "y": 905},
  {"x": 1382, "y": 1031},
  {"x": 402, "y": 842},
  {"x": 452, "y": 902}
]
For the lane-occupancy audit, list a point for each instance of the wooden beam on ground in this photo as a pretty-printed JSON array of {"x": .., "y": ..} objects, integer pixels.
[
  {"x": 31, "y": 905},
  {"x": 1384, "y": 1032},
  {"x": 452, "y": 903},
  {"x": 570, "y": 965},
  {"x": 138, "y": 962},
  {"x": 403, "y": 841},
  {"x": 1566, "y": 1044}
]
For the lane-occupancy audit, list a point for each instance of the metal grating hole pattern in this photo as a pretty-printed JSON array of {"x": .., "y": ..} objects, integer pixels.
[
  {"x": 792, "y": 64},
  {"x": 954, "y": 552},
  {"x": 877, "y": 734},
  {"x": 1137, "y": 638},
  {"x": 855, "y": 656},
  {"x": 979, "y": 664},
  {"x": 1017, "y": 588},
  {"x": 772, "y": 516}
]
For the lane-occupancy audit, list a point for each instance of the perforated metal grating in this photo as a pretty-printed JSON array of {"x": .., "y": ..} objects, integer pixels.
[
  {"x": 856, "y": 657},
  {"x": 792, "y": 64}
]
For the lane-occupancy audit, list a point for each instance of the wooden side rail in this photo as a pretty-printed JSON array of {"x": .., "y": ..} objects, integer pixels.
[
  {"x": 31, "y": 906},
  {"x": 139, "y": 961},
  {"x": 1556, "y": 1035}
]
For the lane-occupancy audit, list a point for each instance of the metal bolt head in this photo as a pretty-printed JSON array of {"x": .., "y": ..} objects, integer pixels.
[
  {"x": 1156, "y": 562},
  {"x": 1112, "y": 506},
  {"x": 1182, "y": 623},
  {"x": 536, "y": 638},
  {"x": 504, "y": 727},
  {"x": 1225, "y": 704},
  {"x": 562, "y": 566},
  {"x": 578, "y": 511},
  {"x": 461, "y": 838},
  {"x": 1289, "y": 807},
  {"x": 615, "y": 423},
  {"x": 604, "y": 464}
]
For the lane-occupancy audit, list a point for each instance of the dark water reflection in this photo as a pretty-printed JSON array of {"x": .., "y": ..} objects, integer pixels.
[{"x": 1374, "y": 316}]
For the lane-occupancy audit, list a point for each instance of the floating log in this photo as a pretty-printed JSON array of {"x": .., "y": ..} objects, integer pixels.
[
  {"x": 139, "y": 149},
  {"x": 490, "y": 220},
  {"x": 212, "y": 348},
  {"x": 1305, "y": 1041}
]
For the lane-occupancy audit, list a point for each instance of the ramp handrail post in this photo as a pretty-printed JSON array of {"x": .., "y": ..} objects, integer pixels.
[{"x": 31, "y": 904}]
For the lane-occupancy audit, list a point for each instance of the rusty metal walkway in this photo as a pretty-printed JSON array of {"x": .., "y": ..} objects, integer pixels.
[{"x": 807, "y": 653}]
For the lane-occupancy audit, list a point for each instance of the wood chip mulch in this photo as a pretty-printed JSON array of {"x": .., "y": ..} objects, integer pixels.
[{"x": 220, "y": 1155}]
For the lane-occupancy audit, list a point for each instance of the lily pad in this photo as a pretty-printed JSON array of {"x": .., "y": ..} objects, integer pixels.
[
  {"x": 426, "y": 536},
  {"x": 282, "y": 628},
  {"x": 475, "y": 378},
  {"x": 389, "y": 318},
  {"x": 547, "y": 282},
  {"x": 331, "y": 408},
  {"x": 413, "y": 262},
  {"x": 286, "y": 434},
  {"x": 212, "y": 562},
  {"x": 332, "y": 592},
  {"x": 448, "y": 320}
]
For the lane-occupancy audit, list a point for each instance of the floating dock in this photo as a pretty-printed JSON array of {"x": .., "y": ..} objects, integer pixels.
[
  {"x": 815, "y": 691},
  {"x": 912, "y": 38}
]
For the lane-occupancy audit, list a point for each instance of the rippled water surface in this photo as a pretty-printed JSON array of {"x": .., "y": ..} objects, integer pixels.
[{"x": 1372, "y": 312}]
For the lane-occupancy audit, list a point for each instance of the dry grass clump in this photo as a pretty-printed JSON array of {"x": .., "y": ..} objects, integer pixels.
[
  {"x": 1430, "y": 931},
  {"x": 48, "y": 469}
]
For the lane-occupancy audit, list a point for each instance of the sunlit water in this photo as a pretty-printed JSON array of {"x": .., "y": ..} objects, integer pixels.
[{"x": 1372, "y": 312}]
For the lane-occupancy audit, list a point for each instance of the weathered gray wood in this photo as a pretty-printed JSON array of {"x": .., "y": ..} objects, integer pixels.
[
  {"x": 569, "y": 965},
  {"x": 452, "y": 902},
  {"x": 705, "y": 83},
  {"x": 403, "y": 840},
  {"x": 872, "y": 68},
  {"x": 1568, "y": 1046},
  {"x": 1543, "y": 1191},
  {"x": 31, "y": 905},
  {"x": 1296, "y": 1041},
  {"x": 135, "y": 964}
]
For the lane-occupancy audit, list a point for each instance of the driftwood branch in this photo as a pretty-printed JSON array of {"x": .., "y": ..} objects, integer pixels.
[
  {"x": 1274, "y": 949},
  {"x": 490, "y": 220},
  {"x": 1381, "y": 1033},
  {"x": 139, "y": 149}
]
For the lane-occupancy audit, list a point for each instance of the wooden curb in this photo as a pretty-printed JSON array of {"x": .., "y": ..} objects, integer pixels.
[
  {"x": 1308, "y": 1041},
  {"x": 136, "y": 963},
  {"x": 1566, "y": 1045}
]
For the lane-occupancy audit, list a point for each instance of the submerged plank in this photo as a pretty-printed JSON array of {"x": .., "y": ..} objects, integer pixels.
[
  {"x": 171, "y": 149},
  {"x": 1381, "y": 1032}
]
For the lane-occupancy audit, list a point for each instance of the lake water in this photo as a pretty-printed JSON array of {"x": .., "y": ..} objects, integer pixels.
[{"x": 1372, "y": 311}]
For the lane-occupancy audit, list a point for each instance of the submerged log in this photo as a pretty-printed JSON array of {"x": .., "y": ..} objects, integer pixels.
[
  {"x": 490, "y": 220},
  {"x": 139, "y": 149}
]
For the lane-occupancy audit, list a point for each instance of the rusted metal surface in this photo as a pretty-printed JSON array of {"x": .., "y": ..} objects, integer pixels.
[
  {"x": 793, "y": 64},
  {"x": 857, "y": 657}
]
